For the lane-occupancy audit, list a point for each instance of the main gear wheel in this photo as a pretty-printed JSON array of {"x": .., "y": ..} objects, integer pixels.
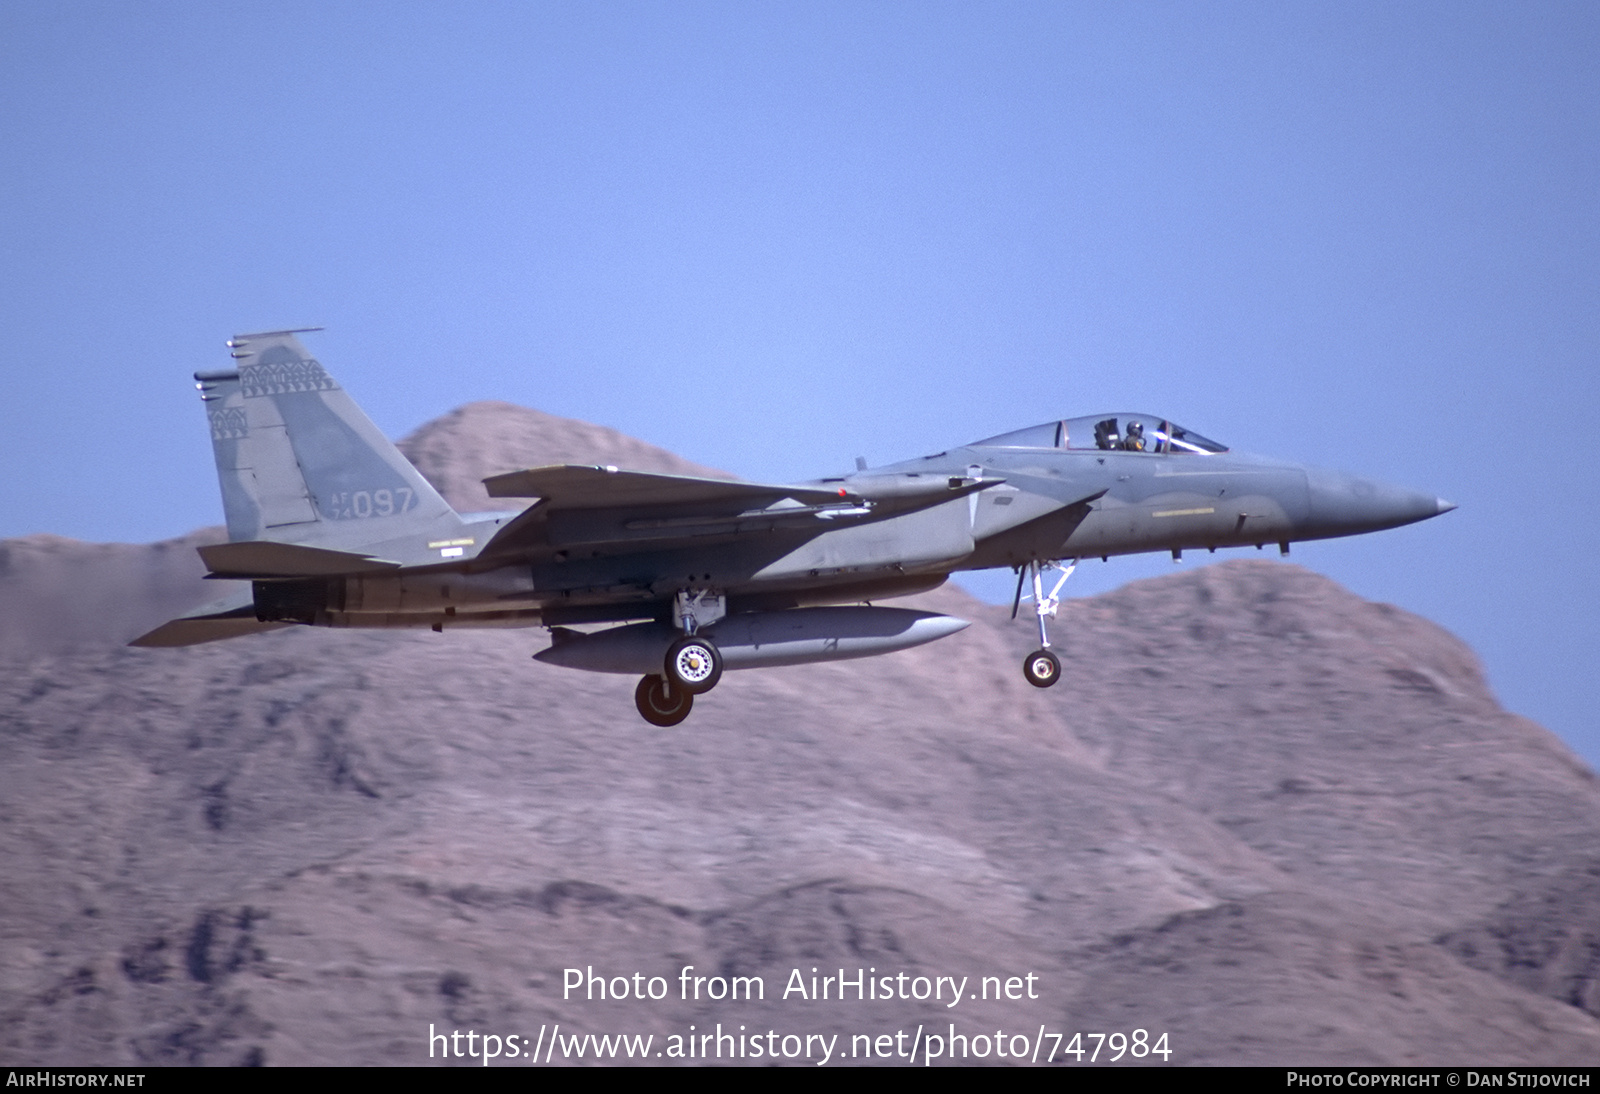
[
  {"x": 694, "y": 664},
  {"x": 662, "y": 703}
]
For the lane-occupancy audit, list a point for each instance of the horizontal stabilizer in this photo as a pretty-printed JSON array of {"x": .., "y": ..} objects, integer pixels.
[
  {"x": 228, "y": 618},
  {"x": 267, "y": 559},
  {"x": 568, "y": 486}
]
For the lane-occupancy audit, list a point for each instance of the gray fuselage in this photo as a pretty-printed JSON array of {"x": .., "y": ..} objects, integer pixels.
[{"x": 1030, "y": 504}]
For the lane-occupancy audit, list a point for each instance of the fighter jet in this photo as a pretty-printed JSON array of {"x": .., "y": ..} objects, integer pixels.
[{"x": 688, "y": 576}]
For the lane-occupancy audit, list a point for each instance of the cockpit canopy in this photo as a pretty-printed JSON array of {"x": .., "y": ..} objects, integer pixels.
[{"x": 1109, "y": 433}]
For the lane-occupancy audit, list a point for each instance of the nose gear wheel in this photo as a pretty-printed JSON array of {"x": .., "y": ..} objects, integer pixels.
[{"x": 1042, "y": 668}]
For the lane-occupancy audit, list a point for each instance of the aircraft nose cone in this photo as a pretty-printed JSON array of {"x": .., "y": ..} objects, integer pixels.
[{"x": 1343, "y": 505}]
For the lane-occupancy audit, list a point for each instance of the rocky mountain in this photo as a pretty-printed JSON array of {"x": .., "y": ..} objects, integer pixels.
[
  {"x": 458, "y": 451},
  {"x": 1263, "y": 817}
]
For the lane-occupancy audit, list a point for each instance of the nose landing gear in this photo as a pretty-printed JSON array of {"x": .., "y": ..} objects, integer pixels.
[{"x": 1041, "y": 667}]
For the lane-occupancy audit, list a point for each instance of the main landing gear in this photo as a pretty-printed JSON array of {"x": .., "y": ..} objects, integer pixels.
[
  {"x": 661, "y": 703},
  {"x": 692, "y": 665},
  {"x": 1041, "y": 667}
]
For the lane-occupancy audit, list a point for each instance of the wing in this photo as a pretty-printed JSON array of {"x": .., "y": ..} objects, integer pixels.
[{"x": 584, "y": 506}]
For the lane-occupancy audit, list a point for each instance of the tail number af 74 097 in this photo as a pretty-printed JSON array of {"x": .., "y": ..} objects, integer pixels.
[{"x": 360, "y": 504}]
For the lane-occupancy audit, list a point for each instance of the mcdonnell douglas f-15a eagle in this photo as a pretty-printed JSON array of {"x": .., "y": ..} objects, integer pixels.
[{"x": 333, "y": 527}]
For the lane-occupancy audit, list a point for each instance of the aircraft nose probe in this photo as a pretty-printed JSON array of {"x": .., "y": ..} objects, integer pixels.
[{"x": 1343, "y": 505}]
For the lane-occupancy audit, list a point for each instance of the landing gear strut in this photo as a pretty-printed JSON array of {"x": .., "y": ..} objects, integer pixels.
[
  {"x": 1041, "y": 667},
  {"x": 662, "y": 703}
]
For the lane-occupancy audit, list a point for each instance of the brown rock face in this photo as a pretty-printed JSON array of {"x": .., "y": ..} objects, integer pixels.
[{"x": 1268, "y": 819}]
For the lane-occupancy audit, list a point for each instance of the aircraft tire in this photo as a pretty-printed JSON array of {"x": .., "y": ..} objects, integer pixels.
[
  {"x": 1042, "y": 668},
  {"x": 659, "y": 705},
  {"x": 694, "y": 665}
]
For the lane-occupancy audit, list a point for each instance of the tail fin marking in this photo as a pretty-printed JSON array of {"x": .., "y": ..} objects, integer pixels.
[{"x": 298, "y": 460}]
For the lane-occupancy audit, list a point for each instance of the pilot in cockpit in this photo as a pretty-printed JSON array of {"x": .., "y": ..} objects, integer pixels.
[{"x": 1133, "y": 437}]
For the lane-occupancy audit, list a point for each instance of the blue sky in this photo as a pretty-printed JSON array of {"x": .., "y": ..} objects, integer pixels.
[{"x": 774, "y": 236}]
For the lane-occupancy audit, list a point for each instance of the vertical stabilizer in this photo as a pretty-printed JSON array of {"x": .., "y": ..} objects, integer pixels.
[{"x": 298, "y": 460}]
